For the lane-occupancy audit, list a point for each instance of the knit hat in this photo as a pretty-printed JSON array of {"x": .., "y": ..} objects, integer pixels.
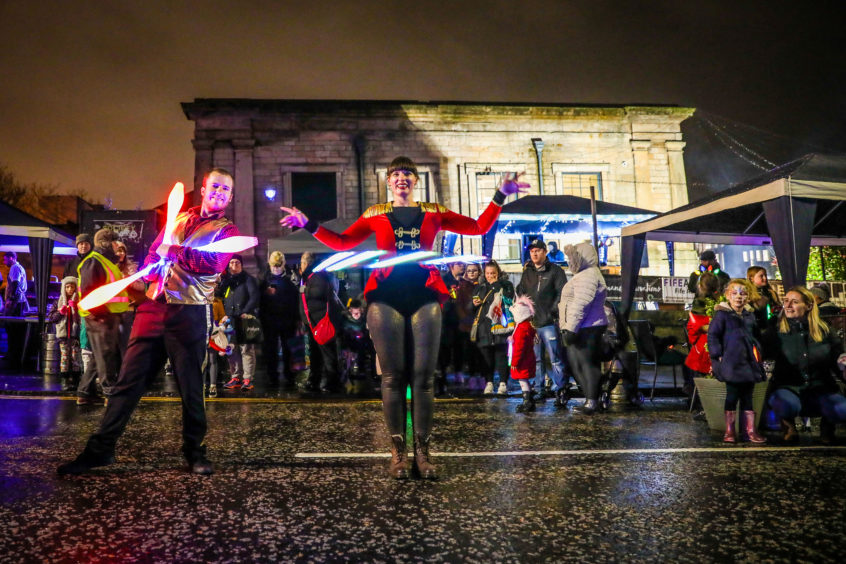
[
  {"x": 70, "y": 280},
  {"x": 83, "y": 238},
  {"x": 104, "y": 237},
  {"x": 820, "y": 292}
]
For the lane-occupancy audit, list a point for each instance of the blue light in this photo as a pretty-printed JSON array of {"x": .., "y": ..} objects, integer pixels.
[{"x": 270, "y": 193}]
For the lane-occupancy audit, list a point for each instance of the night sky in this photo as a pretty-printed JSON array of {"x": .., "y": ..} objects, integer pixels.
[{"x": 90, "y": 91}]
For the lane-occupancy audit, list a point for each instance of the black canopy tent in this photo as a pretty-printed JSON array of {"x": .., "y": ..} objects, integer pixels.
[
  {"x": 531, "y": 214},
  {"x": 21, "y": 232},
  {"x": 792, "y": 207}
]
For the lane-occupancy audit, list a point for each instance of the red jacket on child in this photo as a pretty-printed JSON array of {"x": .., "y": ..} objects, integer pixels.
[{"x": 523, "y": 351}]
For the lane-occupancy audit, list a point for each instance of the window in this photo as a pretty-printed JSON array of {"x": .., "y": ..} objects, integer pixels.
[
  {"x": 315, "y": 193},
  {"x": 579, "y": 183},
  {"x": 506, "y": 249},
  {"x": 486, "y": 185}
]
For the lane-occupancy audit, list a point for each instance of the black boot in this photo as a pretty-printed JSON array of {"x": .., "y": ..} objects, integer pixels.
[
  {"x": 67, "y": 385},
  {"x": 399, "y": 458},
  {"x": 827, "y": 430},
  {"x": 422, "y": 466},
  {"x": 75, "y": 376},
  {"x": 85, "y": 462},
  {"x": 562, "y": 396},
  {"x": 528, "y": 404}
]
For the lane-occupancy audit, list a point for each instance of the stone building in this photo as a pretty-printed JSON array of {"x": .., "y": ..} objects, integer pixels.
[{"x": 329, "y": 158}]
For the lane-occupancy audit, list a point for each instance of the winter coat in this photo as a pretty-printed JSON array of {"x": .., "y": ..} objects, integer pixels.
[
  {"x": 464, "y": 304},
  {"x": 281, "y": 308},
  {"x": 543, "y": 285},
  {"x": 734, "y": 345},
  {"x": 67, "y": 322},
  {"x": 449, "y": 312},
  {"x": 320, "y": 291},
  {"x": 698, "y": 358},
  {"x": 802, "y": 364},
  {"x": 240, "y": 295},
  {"x": 523, "y": 351},
  {"x": 767, "y": 308},
  {"x": 486, "y": 292},
  {"x": 582, "y": 302}
]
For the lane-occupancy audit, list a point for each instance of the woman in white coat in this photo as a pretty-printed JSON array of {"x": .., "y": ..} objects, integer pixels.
[{"x": 581, "y": 317}]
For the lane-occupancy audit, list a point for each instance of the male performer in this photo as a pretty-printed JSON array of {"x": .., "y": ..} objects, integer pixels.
[{"x": 174, "y": 324}]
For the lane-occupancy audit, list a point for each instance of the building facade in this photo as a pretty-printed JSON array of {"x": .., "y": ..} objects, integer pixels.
[{"x": 329, "y": 158}]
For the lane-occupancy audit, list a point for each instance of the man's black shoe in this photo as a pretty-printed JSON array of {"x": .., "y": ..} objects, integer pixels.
[
  {"x": 202, "y": 466},
  {"x": 85, "y": 462}
]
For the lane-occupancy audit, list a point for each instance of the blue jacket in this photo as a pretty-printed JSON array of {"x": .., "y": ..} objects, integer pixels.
[{"x": 732, "y": 340}]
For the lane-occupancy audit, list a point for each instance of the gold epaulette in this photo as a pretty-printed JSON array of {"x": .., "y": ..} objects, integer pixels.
[
  {"x": 427, "y": 207},
  {"x": 378, "y": 209}
]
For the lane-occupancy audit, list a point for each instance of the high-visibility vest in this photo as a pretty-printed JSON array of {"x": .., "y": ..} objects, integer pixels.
[{"x": 117, "y": 304}]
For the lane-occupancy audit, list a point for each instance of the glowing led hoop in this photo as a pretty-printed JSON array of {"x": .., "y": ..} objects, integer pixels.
[
  {"x": 101, "y": 295},
  {"x": 411, "y": 257},
  {"x": 174, "y": 204},
  {"x": 456, "y": 258},
  {"x": 326, "y": 263},
  {"x": 355, "y": 260}
]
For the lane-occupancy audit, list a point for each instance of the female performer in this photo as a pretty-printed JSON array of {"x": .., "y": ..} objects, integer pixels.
[{"x": 404, "y": 301}]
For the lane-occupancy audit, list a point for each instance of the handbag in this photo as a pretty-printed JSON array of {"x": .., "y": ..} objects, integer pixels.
[
  {"x": 251, "y": 329},
  {"x": 324, "y": 331},
  {"x": 474, "y": 330}
]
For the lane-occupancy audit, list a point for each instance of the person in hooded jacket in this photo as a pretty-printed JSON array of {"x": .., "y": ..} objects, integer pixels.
[
  {"x": 581, "y": 316},
  {"x": 734, "y": 346},
  {"x": 240, "y": 294},
  {"x": 66, "y": 317}
]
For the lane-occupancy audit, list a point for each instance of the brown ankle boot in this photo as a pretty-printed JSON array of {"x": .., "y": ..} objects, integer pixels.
[
  {"x": 424, "y": 468},
  {"x": 729, "y": 437},
  {"x": 399, "y": 458},
  {"x": 750, "y": 433},
  {"x": 789, "y": 428}
]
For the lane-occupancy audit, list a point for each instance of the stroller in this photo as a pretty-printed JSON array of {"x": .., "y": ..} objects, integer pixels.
[
  {"x": 219, "y": 345},
  {"x": 618, "y": 364}
]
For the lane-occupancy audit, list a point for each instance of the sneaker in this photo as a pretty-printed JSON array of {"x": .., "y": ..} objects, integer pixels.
[
  {"x": 502, "y": 390},
  {"x": 89, "y": 400},
  {"x": 488, "y": 389},
  {"x": 213, "y": 391},
  {"x": 247, "y": 386},
  {"x": 232, "y": 384}
]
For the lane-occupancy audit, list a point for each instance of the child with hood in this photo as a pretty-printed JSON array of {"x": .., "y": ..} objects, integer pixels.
[
  {"x": 66, "y": 317},
  {"x": 522, "y": 350}
]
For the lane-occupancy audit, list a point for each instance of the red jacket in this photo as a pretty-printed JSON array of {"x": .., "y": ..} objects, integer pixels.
[
  {"x": 698, "y": 358},
  {"x": 523, "y": 351},
  {"x": 436, "y": 218}
]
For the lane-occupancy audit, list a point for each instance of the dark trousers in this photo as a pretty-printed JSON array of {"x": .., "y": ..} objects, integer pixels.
[
  {"x": 15, "y": 335},
  {"x": 104, "y": 338},
  {"x": 495, "y": 357},
  {"x": 274, "y": 338},
  {"x": 407, "y": 348},
  {"x": 451, "y": 351},
  {"x": 585, "y": 356},
  {"x": 741, "y": 391},
  {"x": 324, "y": 371},
  {"x": 160, "y": 331}
]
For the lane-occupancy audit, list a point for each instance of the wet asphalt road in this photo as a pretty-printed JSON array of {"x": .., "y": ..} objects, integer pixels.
[{"x": 585, "y": 494}]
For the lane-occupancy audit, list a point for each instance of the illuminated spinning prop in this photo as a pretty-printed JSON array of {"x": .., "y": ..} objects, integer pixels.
[
  {"x": 349, "y": 259},
  {"x": 106, "y": 292}
]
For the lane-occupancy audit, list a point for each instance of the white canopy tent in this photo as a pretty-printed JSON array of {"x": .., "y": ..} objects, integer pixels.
[{"x": 792, "y": 207}]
